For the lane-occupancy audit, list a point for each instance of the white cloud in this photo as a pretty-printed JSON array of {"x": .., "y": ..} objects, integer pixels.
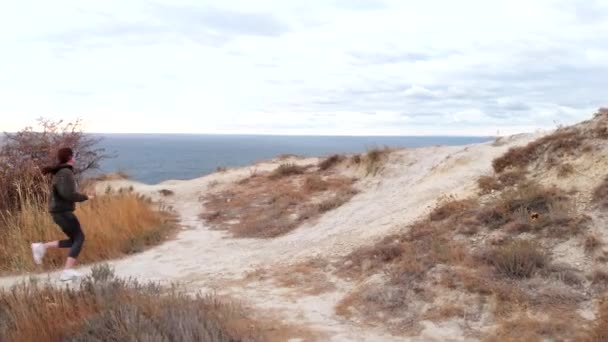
[
  {"x": 343, "y": 67},
  {"x": 420, "y": 92}
]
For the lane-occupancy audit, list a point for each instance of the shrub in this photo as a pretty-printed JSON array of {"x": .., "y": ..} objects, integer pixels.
[
  {"x": 518, "y": 259},
  {"x": 532, "y": 206},
  {"x": 23, "y": 154},
  {"x": 330, "y": 162},
  {"x": 315, "y": 183},
  {"x": 565, "y": 170},
  {"x": 561, "y": 142},
  {"x": 449, "y": 206},
  {"x": 287, "y": 169},
  {"x": 599, "y": 328},
  {"x": 166, "y": 192},
  {"x": 375, "y": 159},
  {"x": 488, "y": 184},
  {"x": 600, "y": 194},
  {"x": 511, "y": 178},
  {"x": 592, "y": 242},
  {"x": 105, "y": 308}
]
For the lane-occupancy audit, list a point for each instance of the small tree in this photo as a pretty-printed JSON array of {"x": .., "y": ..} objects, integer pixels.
[{"x": 23, "y": 154}]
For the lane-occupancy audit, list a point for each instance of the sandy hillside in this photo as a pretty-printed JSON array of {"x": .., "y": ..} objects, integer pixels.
[{"x": 203, "y": 259}]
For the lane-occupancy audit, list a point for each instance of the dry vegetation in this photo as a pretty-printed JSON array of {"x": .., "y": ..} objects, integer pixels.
[
  {"x": 105, "y": 308},
  {"x": 115, "y": 224},
  {"x": 134, "y": 224},
  {"x": 494, "y": 253},
  {"x": 271, "y": 204},
  {"x": 549, "y": 150},
  {"x": 436, "y": 259}
]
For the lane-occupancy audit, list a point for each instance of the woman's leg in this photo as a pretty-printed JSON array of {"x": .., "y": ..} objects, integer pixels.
[{"x": 71, "y": 227}]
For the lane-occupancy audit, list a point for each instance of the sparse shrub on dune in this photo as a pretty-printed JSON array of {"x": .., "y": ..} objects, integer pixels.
[
  {"x": 286, "y": 170},
  {"x": 330, "y": 162},
  {"x": 598, "y": 331},
  {"x": 166, "y": 192},
  {"x": 517, "y": 259},
  {"x": 105, "y": 308},
  {"x": 488, "y": 184},
  {"x": 565, "y": 170},
  {"x": 276, "y": 203},
  {"x": 375, "y": 159},
  {"x": 561, "y": 142},
  {"x": 600, "y": 194}
]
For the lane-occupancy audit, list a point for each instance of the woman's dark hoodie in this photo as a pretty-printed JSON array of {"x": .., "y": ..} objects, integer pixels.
[{"x": 64, "y": 191}]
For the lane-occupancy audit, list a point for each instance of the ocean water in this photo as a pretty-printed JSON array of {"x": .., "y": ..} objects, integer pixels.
[{"x": 152, "y": 158}]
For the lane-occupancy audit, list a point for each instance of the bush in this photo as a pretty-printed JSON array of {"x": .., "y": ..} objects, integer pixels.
[
  {"x": 166, "y": 192},
  {"x": 23, "y": 154},
  {"x": 330, "y": 162},
  {"x": 375, "y": 159},
  {"x": 448, "y": 207},
  {"x": 315, "y": 183},
  {"x": 518, "y": 259},
  {"x": 287, "y": 169},
  {"x": 105, "y": 308},
  {"x": 561, "y": 142},
  {"x": 600, "y": 194},
  {"x": 488, "y": 184}
]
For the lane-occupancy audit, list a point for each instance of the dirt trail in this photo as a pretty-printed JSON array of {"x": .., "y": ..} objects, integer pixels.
[{"x": 206, "y": 260}]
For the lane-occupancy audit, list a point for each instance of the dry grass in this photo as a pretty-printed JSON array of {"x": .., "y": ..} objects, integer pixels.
[
  {"x": 441, "y": 255},
  {"x": 114, "y": 225},
  {"x": 560, "y": 143},
  {"x": 375, "y": 159},
  {"x": 599, "y": 277},
  {"x": 269, "y": 205},
  {"x": 489, "y": 184},
  {"x": 600, "y": 194},
  {"x": 445, "y": 312},
  {"x": 449, "y": 207},
  {"x": 517, "y": 259},
  {"x": 525, "y": 326},
  {"x": 166, "y": 192},
  {"x": 286, "y": 170},
  {"x": 550, "y": 149},
  {"x": 330, "y": 162},
  {"x": 598, "y": 331},
  {"x": 105, "y": 308},
  {"x": 592, "y": 242},
  {"x": 530, "y": 207},
  {"x": 407, "y": 261},
  {"x": 565, "y": 170}
]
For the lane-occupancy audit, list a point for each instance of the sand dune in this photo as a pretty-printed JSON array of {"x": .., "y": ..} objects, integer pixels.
[{"x": 210, "y": 260}]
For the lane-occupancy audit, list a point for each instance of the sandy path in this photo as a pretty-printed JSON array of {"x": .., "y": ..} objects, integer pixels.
[{"x": 206, "y": 260}]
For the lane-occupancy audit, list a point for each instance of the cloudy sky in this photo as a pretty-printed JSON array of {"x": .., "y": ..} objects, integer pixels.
[{"x": 467, "y": 67}]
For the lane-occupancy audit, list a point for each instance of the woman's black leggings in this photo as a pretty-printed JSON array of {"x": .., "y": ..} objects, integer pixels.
[{"x": 71, "y": 227}]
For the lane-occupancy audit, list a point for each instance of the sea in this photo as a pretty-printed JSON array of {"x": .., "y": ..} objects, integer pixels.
[{"x": 152, "y": 158}]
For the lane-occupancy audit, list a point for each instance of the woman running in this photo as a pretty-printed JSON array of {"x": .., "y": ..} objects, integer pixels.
[{"x": 63, "y": 198}]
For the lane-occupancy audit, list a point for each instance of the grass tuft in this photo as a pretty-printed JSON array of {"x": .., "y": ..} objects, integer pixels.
[{"x": 105, "y": 308}]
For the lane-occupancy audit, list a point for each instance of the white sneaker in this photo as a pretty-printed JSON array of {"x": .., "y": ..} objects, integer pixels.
[
  {"x": 69, "y": 274},
  {"x": 38, "y": 251}
]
